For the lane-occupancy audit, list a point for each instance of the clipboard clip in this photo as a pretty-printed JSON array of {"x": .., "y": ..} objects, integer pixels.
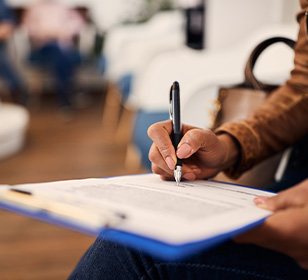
[{"x": 25, "y": 199}]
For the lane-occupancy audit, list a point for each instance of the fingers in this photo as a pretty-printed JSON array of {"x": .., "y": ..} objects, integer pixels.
[
  {"x": 160, "y": 135},
  {"x": 285, "y": 232},
  {"x": 157, "y": 160},
  {"x": 293, "y": 197},
  {"x": 257, "y": 236},
  {"x": 271, "y": 234},
  {"x": 159, "y": 166},
  {"x": 193, "y": 140},
  {"x": 163, "y": 174},
  {"x": 200, "y": 148}
]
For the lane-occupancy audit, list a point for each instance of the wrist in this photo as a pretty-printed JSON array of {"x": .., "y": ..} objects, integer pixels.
[{"x": 232, "y": 150}]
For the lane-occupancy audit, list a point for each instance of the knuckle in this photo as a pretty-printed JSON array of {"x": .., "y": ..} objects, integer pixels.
[
  {"x": 165, "y": 150},
  {"x": 151, "y": 157},
  {"x": 155, "y": 169},
  {"x": 194, "y": 136},
  {"x": 201, "y": 138},
  {"x": 210, "y": 137},
  {"x": 152, "y": 130},
  {"x": 153, "y": 154},
  {"x": 157, "y": 128}
]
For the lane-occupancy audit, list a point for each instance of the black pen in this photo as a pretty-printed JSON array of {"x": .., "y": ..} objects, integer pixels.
[{"x": 176, "y": 136}]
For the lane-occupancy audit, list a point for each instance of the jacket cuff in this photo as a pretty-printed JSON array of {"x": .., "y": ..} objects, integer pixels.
[{"x": 248, "y": 143}]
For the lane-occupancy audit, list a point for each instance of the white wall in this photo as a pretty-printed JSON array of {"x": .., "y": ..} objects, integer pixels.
[
  {"x": 27, "y": 2},
  {"x": 229, "y": 20},
  {"x": 108, "y": 13},
  {"x": 105, "y": 12},
  {"x": 248, "y": 14},
  {"x": 290, "y": 9}
]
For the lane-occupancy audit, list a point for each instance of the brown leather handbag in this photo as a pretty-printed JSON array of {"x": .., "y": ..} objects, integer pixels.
[{"x": 239, "y": 102}]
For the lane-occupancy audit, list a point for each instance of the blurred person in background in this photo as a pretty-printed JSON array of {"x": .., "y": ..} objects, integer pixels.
[
  {"x": 52, "y": 28},
  {"x": 7, "y": 71},
  {"x": 278, "y": 249}
]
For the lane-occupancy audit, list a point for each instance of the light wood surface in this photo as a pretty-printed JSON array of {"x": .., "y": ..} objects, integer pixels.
[{"x": 58, "y": 147}]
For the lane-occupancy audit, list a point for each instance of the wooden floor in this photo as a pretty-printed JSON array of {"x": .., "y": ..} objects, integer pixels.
[{"x": 56, "y": 148}]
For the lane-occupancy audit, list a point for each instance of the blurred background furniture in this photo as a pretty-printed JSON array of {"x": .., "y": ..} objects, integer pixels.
[
  {"x": 38, "y": 80},
  {"x": 57, "y": 149},
  {"x": 140, "y": 61},
  {"x": 130, "y": 48},
  {"x": 131, "y": 45},
  {"x": 203, "y": 73},
  {"x": 13, "y": 129},
  {"x": 139, "y": 77}
]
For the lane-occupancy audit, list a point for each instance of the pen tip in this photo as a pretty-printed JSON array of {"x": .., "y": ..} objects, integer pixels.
[{"x": 178, "y": 175}]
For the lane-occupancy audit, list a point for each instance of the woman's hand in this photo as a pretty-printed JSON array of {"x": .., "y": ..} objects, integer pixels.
[
  {"x": 204, "y": 154},
  {"x": 286, "y": 231}
]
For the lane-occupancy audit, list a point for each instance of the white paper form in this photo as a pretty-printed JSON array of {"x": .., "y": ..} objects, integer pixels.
[{"x": 159, "y": 209}]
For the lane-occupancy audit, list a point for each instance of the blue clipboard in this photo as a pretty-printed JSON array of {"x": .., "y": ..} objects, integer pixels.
[{"x": 153, "y": 247}]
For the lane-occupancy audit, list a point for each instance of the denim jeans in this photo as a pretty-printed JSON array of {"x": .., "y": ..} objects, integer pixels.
[
  {"x": 110, "y": 261},
  {"x": 62, "y": 63},
  {"x": 12, "y": 78}
]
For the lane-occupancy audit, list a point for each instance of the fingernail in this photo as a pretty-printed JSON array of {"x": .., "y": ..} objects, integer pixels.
[
  {"x": 184, "y": 151},
  {"x": 260, "y": 201},
  {"x": 170, "y": 162}
]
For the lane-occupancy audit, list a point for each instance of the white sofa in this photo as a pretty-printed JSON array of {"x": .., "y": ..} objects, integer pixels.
[
  {"x": 206, "y": 70},
  {"x": 13, "y": 126},
  {"x": 129, "y": 47}
]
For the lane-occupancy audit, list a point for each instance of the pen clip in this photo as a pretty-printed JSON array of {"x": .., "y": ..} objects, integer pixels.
[{"x": 170, "y": 105}]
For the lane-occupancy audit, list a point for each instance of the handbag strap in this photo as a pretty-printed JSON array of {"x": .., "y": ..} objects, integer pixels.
[{"x": 250, "y": 79}]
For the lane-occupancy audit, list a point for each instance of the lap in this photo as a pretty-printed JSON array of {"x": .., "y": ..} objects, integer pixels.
[{"x": 107, "y": 260}]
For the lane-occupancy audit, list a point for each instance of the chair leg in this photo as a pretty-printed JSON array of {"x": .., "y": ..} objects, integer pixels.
[
  {"x": 117, "y": 121},
  {"x": 132, "y": 159},
  {"x": 35, "y": 88},
  {"x": 124, "y": 135},
  {"x": 124, "y": 130},
  {"x": 111, "y": 111}
]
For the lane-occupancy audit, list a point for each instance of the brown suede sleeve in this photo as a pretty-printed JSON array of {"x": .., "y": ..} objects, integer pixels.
[{"x": 282, "y": 120}]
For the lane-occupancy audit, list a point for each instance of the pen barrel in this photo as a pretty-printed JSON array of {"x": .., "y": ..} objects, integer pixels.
[
  {"x": 176, "y": 138},
  {"x": 178, "y": 162}
]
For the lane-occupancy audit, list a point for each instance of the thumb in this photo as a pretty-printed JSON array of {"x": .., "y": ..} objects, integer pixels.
[
  {"x": 196, "y": 139},
  {"x": 294, "y": 197}
]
